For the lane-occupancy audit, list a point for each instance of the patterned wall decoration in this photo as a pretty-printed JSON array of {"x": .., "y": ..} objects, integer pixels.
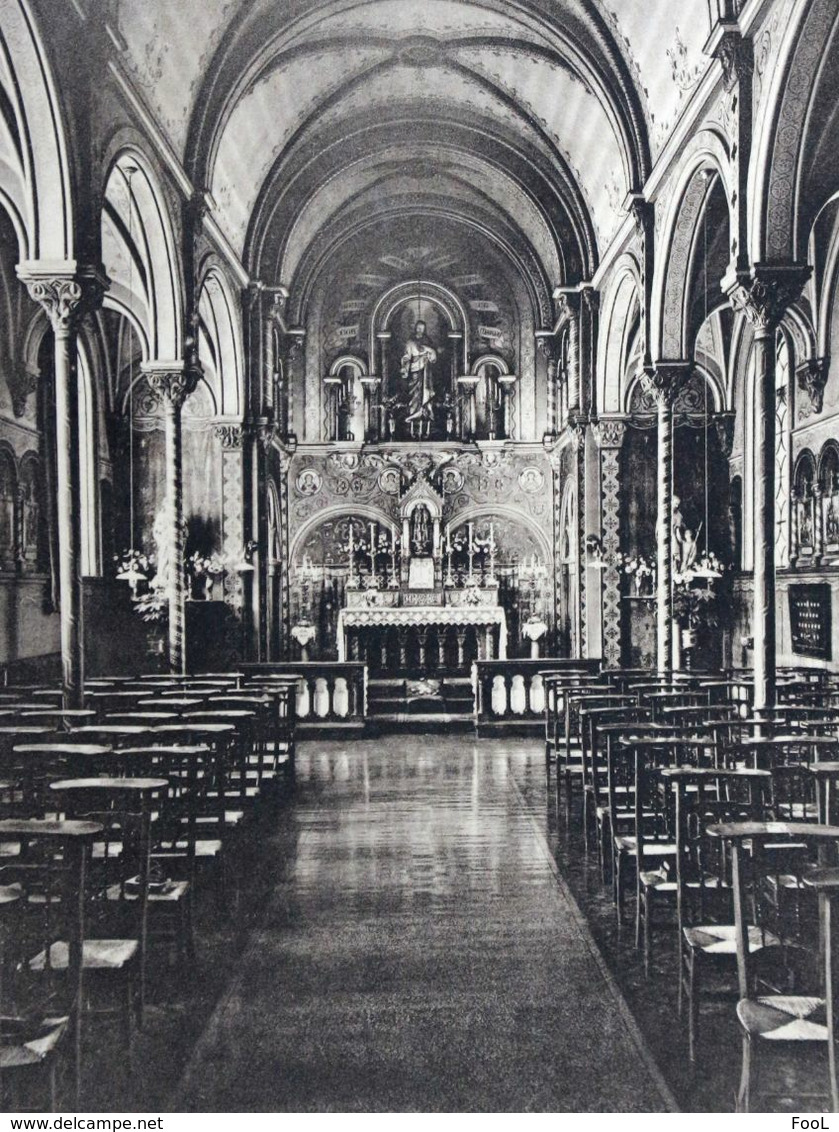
[
  {"x": 368, "y": 486},
  {"x": 610, "y": 434}
]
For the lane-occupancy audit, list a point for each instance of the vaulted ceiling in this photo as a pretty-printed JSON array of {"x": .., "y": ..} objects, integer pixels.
[{"x": 531, "y": 119}]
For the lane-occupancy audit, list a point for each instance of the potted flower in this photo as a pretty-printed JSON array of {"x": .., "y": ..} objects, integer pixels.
[
  {"x": 134, "y": 567},
  {"x": 642, "y": 572}
]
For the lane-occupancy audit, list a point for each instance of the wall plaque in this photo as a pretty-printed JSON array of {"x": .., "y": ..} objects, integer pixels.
[{"x": 810, "y": 620}]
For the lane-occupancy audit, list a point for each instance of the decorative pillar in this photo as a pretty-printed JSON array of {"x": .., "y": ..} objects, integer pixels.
[
  {"x": 818, "y": 523},
  {"x": 231, "y": 437},
  {"x": 664, "y": 383},
  {"x": 507, "y": 381},
  {"x": 470, "y": 423},
  {"x": 610, "y": 432},
  {"x": 371, "y": 387},
  {"x": 171, "y": 383},
  {"x": 579, "y": 470},
  {"x": 284, "y": 456},
  {"x": 763, "y": 297},
  {"x": 66, "y": 298}
]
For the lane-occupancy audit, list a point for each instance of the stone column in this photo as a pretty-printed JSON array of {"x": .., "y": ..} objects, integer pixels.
[
  {"x": 171, "y": 383},
  {"x": 664, "y": 383},
  {"x": 65, "y": 299},
  {"x": 763, "y": 297},
  {"x": 609, "y": 433}
]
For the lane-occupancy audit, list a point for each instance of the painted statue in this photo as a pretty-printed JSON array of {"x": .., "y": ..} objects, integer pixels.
[{"x": 418, "y": 358}]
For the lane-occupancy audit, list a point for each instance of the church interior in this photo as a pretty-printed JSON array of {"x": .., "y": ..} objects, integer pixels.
[{"x": 419, "y": 536}]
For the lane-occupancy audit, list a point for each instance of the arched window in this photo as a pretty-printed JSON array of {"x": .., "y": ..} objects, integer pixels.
[
  {"x": 32, "y": 535},
  {"x": 804, "y": 526},
  {"x": 828, "y": 502},
  {"x": 8, "y": 507}
]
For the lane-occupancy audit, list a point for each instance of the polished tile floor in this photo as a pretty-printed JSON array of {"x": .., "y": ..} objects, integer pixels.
[{"x": 418, "y": 951}]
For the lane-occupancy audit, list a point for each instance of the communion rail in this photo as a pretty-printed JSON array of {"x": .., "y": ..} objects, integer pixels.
[
  {"x": 330, "y": 695},
  {"x": 510, "y": 694}
]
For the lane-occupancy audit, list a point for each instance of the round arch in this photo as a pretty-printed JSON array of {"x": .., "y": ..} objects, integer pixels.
[
  {"x": 39, "y": 192},
  {"x": 338, "y": 511},
  {"x": 670, "y": 329},
  {"x": 140, "y": 256},
  {"x": 774, "y": 175},
  {"x": 616, "y": 330},
  {"x": 220, "y": 341},
  {"x": 472, "y": 514}
]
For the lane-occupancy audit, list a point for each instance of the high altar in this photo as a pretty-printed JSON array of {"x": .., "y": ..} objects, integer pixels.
[{"x": 416, "y": 594}]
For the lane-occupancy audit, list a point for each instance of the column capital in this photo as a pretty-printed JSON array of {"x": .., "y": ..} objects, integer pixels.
[
  {"x": 230, "y": 435},
  {"x": 170, "y": 382},
  {"x": 665, "y": 380},
  {"x": 724, "y": 424},
  {"x": 609, "y": 432},
  {"x": 812, "y": 378},
  {"x": 66, "y": 291},
  {"x": 765, "y": 294},
  {"x": 735, "y": 53},
  {"x": 566, "y": 305}
]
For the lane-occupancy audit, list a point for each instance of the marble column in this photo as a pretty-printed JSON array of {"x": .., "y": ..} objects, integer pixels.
[
  {"x": 66, "y": 298},
  {"x": 171, "y": 383},
  {"x": 763, "y": 296},
  {"x": 663, "y": 384},
  {"x": 609, "y": 433}
]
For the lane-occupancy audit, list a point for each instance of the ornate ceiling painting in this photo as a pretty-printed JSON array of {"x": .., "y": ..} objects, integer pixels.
[{"x": 537, "y": 118}]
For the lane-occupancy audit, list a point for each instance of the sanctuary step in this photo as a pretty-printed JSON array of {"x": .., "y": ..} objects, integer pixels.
[{"x": 422, "y": 704}]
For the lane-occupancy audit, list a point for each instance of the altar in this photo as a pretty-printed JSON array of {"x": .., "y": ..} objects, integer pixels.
[
  {"x": 408, "y": 610},
  {"x": 421, "y": 636}
]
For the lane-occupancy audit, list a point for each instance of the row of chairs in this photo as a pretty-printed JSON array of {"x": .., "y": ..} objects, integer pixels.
[
  {"x": 112, "y": 819},
  {"x": 679, "y": 786}
]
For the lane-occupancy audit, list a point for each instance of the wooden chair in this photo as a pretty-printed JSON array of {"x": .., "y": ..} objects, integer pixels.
[
  {"x": 49, "y": 869},
  {"x": 785, "y": 1019},
  {"x": 699, "y": 882},
  {"x": 116, "y": 906}
]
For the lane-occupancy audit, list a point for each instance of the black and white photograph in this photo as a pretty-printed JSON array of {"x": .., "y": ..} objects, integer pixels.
[{"x": 419, "y": 544}]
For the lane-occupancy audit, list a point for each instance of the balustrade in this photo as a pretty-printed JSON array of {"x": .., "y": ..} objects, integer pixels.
[
  {"x": 513, "y": 692},
  {"x": 328, "y": 694}
]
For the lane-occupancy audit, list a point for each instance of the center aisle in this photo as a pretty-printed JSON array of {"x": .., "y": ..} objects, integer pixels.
[{"x": 419, "y": 953}]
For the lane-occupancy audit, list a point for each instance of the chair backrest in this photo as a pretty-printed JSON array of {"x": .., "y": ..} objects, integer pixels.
[{"x": 704, "y": 797}]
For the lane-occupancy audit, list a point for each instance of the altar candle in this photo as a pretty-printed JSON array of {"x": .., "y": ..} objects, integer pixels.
[
  {"x": 351, "y": 544},
  {"x": 491, "y": 537},
  {"x": 471, "y": 543}
]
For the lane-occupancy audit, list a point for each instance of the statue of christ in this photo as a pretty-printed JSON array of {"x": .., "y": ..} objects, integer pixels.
[{"x": 418, "y": 358}]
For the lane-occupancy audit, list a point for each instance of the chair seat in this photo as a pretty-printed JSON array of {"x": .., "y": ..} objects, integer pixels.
[
  {"x": 651, "y": 848},
  {"x": 97, "y": 955},
  {"x": 24, "y": 1042},
  {"x": 719, "y": 939},
  {"x": 784, "y": 1018},
  {"x": 172, "y": 892}
]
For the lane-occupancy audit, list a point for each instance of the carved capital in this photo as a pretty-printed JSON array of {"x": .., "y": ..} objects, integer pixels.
[
  {"x": 665, "y": 381},
  {"x": 170, "y": 384},
  {"x": 724, "y": 424},
  {"x": 609, "y": 432},
  {"x": 230, "y": 435},
  {"x": 766, "y": 295},
  {"x": 566, "y": 305},
  {"x": 275, "y": 307},
  {"x": 812, "y": 378},
  {"x": 736, "y": 55},
  {"x": 546, "y": 344},
  {"x": 66, "y": 299},
  {"x": 22, "y": 384},
  {"x": 591, "y": 299},
  {"x": 642, "y": 214}
]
